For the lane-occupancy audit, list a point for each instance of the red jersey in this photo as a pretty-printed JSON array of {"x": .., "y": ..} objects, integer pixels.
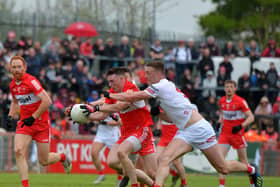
[
  {"x": 136, "y": 116},
  {"x": 25, "y": 92},
  {"x": 233, "y": 112}
]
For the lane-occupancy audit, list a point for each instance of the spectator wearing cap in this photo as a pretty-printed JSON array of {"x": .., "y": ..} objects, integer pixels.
[
  {"x": 182, "y": 57},
  {"x": 271, "y": 50},
  {"x": 10, "y": 43},
  {"x": 209, "y": 85},
  {"x": 93, "y": 96}
]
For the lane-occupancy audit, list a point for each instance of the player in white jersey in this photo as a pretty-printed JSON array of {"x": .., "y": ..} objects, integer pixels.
[
  {"x": 108, "y": 133},
  {"x": 194, "y": 131}
]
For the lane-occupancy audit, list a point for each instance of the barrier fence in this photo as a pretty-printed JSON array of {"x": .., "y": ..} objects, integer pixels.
[{"x": 78, "y": 149}]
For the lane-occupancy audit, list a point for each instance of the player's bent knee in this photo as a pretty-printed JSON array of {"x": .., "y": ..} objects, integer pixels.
[
  {"x": 43, "y": 162},
  {"x": 152, "y": 173},
  {"x": 164, "y": 160},
  {"x": 113, "y": 163},
  {"x": 121, "y": 155},
  {"x": 95, "y": 155},
  {"x": 222, "y": 169},
  {"x": 19, "y": 152}
]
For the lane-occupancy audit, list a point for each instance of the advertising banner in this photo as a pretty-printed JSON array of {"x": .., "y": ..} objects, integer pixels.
[{"x": 79, "y": 152}]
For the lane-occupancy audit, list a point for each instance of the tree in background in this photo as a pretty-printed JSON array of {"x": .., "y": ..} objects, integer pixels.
[{"x": 241, "y": 19}]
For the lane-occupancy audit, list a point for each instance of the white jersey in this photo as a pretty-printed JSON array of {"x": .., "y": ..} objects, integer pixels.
[
  {"x": 172, "y": 101},
  {"x": 107, "y": 134}
]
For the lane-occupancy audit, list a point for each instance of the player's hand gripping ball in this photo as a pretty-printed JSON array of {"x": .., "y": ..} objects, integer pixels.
[{"x": 78, "y": 113}]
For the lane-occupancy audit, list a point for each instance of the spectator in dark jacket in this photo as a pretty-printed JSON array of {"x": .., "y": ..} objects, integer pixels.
[
  {"x": 193, "y": 50},
  {"x": 212, "y": 46},
  {"x": 227, "y": 64},
  {"x": 244, "y": 81},
  {"x": 72, "y": 54},
  {"x": 229, "y": 50},
  {"x": 110, "y": 51},
  {"x": 10, "y": 43},
  {"x": 272, "y": 76},
  {"x": 34, "y": 63},
  {"x": 124, "y": 49},
  {"x": 262, "y": 82},
  {"x": 205, "y": 64},
  {"x": 98, "y": 47},
  {"x": 222, "y": 76},
  {"x": 138, "y": 50}
]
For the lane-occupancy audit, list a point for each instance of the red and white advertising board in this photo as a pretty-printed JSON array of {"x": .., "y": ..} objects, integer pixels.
[{"x": 79, "y": 152}]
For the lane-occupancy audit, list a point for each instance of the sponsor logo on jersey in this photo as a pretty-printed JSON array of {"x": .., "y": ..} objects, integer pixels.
[
  {"x": 27, "y": 99},
  {"x": 24, "y": 100},
  {"x": 233, "y": 115}
]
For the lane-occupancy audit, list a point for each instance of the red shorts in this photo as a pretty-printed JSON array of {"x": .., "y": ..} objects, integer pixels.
[
  {"x": 41, "y": 136},
  {"x": 145, "y": 136},
  {"x": 237, "y": 141},
  {"x": 167, "y": 134}
]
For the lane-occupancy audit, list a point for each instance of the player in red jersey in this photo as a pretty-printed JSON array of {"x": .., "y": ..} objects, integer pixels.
[
  {"x": 194, "y": 131},
  {"x": 34, "y": 124},
  {"x": 136, "y": 134},
  {"x": 234, "y": 110}
]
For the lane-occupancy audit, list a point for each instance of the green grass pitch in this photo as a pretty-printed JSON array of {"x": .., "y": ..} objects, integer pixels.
[{"x": 83, "y": 180}]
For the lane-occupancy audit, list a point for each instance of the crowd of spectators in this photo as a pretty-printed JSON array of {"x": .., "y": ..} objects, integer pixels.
[{"x": 64, "y": 66}]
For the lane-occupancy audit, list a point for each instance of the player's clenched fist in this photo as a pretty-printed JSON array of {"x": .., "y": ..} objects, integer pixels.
[{"x": 87, "y": 109}]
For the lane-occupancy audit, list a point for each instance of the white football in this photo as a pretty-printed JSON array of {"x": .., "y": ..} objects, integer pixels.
[{"x": 77, "y": 114}]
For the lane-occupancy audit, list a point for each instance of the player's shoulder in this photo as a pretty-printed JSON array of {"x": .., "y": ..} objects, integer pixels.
[
  {"x": 27, "y": 79},
  {"x": 237, "y": 98},
  {"x": 163, "y": 83},
  {"x": 13, "y": 82},
  {"x": 223, "y": 99}
]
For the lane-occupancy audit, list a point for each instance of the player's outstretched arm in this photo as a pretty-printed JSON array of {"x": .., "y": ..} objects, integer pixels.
[
  {"x": 98, "y": 116},
  {"x": 100, "y": 101},
  {"x": 130, "y": 96},
  {"x": 111, "y": 108}
]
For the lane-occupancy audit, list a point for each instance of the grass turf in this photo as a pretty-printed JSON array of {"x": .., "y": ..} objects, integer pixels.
[{"x": 83, "y": 180}]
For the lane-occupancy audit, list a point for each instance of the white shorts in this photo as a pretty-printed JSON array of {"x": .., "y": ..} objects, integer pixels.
[
  {"x": 200, "y": 135},
  {"x": 107, "y": 135}
]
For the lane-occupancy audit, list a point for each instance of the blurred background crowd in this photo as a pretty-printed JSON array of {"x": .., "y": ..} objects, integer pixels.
[{"x": 73, "y": 71}]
